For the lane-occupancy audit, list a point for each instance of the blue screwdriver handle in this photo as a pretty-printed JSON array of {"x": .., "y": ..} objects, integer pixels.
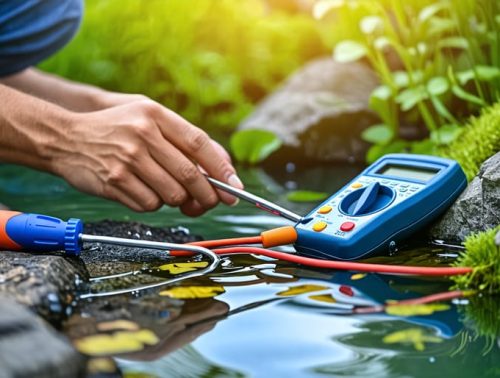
[{"x": 39, "y": 233}]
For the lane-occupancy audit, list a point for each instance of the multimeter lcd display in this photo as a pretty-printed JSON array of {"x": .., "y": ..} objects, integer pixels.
[{"x": 408, "y": 172}]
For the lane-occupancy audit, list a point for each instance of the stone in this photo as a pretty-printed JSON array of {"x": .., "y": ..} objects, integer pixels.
[
  {"x": 320, "y": 112},
  {"x": 29, "y": 347},
  {"x": 477, "y": 208}
]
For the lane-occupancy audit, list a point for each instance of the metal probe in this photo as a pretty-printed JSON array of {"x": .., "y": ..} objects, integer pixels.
[
  {"x": 152, "y": 245},
  {"x": 257, "y": 201}
]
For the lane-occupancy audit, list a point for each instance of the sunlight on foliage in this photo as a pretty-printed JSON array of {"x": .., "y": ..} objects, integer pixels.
[{"x": 253, "y": 146}]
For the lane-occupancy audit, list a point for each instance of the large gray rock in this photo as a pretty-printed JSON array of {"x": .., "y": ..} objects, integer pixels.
[
  {"x": 478, "y": 207},
  {"x": 29, "y": 347},
  {"x": 320, "y": 111}
]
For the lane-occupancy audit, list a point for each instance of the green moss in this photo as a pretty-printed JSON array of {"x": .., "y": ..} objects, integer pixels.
[
  {"x": 483, "y": 255},
  {"x": 482, "y": 316},
  {"x": 479, "y": 140}
]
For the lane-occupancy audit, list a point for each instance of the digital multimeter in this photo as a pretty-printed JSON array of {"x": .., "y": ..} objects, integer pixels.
[{"x": 387, "y": 202}]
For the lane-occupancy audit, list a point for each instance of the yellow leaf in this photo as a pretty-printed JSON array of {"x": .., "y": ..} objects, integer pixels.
[
  {"x": 118, "y": 324},
  {"x": 301, "y": 289},
  {"x": 118, "y": 342},
  {"x": 327, "y": 298},
  {"x": 358, "y": 276},
  {"x": 415, "y": 309},
  {"x": 177, "y": 268},
  {"x": 101, "y": 365},
  {"x": 192, "y": 292},
  {"x": 413, "y": 336}
]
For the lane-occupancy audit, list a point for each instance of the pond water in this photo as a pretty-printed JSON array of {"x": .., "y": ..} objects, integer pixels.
[{"x": 276, "y": 319}]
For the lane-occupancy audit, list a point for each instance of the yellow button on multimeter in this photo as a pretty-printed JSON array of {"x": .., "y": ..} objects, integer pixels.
[
  {"x": 319, "y": 226},
  {"x": 325, "y": 209}
]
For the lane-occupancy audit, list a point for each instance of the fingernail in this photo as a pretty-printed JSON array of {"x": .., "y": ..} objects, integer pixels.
[
  {"x": 234, "y": 180},
  {"x": 237, "y": 201}
]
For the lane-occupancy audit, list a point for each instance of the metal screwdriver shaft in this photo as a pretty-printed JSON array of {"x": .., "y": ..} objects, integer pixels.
[{"x": 256, "y": 200}]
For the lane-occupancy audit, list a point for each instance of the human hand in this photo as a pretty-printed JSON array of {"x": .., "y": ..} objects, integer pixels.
[{"x": 143, "y": 155}]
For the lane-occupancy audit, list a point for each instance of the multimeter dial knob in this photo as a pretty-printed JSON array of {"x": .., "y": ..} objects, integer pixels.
[{"x": 370, "y": 199}]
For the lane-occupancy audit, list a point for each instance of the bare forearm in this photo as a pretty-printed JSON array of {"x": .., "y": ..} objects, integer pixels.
[
  {"x": 30, "y": 129},
  {"x": 68, "y": 94}
]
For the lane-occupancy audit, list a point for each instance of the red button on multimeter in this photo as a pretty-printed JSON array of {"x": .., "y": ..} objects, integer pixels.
[{"x": 347, "y": 226}]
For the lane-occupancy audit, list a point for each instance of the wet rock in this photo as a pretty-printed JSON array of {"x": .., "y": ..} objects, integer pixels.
[
  {"x": 31, "y": 348},
  {"x": 477, "y": 208},
  {"x": 45, "y": 283},
  {"x": 320, "y": 112}
]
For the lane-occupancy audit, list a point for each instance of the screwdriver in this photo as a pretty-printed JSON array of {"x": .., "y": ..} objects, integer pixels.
[{"x": 42, "y": 233}]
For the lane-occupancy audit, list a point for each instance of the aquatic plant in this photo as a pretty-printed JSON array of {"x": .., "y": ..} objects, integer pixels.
[
  {"x": 483, "y": 255},
  {"x": 479, "y": 139},
  {"x": 438, "y": 62}
]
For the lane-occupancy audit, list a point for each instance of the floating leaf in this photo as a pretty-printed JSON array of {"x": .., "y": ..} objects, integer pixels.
[
  {"x": 358, "y": 276},
  {"x": 306, "y": 196},
  {"x": 438, "y": 85},
  {"x": 326, "y": 298},
  {"x": 253, "y": 146},
  {"x": 415, "y": 309},
  {"x": 413, "y": 336},
  {"x": 118, "y": 324},
  {"x": 193, "y": 292},
  {"x": 301, "y": 289},
  {"x": 349, "y": 51},
  {"x": 118, "y": 342},
  {"x": 380, "y": 134},
  {"x": 370, "y": 24},
  {"x": 177, "y": 268},
  {"x": 100, "y": 366}
]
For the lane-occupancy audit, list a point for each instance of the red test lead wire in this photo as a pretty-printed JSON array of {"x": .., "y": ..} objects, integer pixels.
[{"x": 288, "y": 235}]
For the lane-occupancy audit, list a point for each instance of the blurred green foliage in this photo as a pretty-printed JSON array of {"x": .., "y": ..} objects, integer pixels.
[
  {"x": 209, "y": 60},
  {"x": 438, "y": 62}
]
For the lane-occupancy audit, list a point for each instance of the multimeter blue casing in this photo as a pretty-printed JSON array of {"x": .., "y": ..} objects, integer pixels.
[{"x": 390, "y": 200}]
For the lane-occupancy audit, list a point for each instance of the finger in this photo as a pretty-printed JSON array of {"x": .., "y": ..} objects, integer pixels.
[
  {"x": 132, "y": 192},
  {"x": 167, "y": 188},
  {"x": 196, "y": 144},
  {"x": 192, "y": 208},
  {"x": 185, "y": 172}
]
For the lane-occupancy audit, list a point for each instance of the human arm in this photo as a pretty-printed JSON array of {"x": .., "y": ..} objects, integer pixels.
[
  {"x": 68, "y": 94},
  {"x": 140, "y": 153}
]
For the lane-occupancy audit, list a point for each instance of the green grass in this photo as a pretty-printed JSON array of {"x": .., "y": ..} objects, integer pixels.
[
  {"x": 483, "y": 255},
  {"x": 479, "y": 140},
  {"x": 209, "y": 60}
]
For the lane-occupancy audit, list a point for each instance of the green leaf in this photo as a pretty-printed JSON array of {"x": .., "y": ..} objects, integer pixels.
[
  {"x": 461, "y": 93},
  {"x": 483, "y": 73},
  {"x": 306, "y": 196},
  {"x": 415, "y": 309},
  {"x": 445, "y": 134},
  {"x": 423, "y": 147},
  {"x": 437, "y": 86},
  {"x": 379, "y": 134},
  {"x": 370, "y": 24},
  {"x": 253, "y": 146},
  {"x": 381, "y": 43},
  {"x": 349, "y": 51},
  {"x": 441, "y": 109},
  {"x": 438, "y": 26},
  {"x": 453, "y": 43},
  {"x": 380, "y": 100},
  {"x": 410, "y": 97},
  {"x": 379, "y": 150},
  {"x": 401, "y": 79},
  {"x": 427, "y": 12}
]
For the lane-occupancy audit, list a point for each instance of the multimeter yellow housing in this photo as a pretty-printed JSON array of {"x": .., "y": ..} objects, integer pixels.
[{"x": 387, "y": 202}]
